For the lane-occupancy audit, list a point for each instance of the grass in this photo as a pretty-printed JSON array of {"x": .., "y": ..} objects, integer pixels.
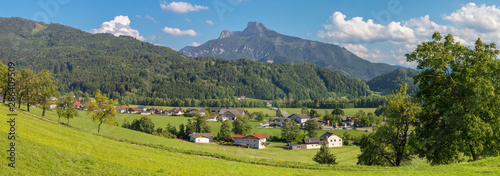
[
  {"x": 349, "y": 111},
  {"x": 46, "y": 147}
]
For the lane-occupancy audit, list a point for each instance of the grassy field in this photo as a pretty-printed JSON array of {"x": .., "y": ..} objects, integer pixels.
[
  {"x": 45, "y": 147},
  {"x": 349, "y": 111}
]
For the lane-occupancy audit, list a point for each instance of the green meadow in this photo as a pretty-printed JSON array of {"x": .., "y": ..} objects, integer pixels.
[{"x": 46, "y": 147}]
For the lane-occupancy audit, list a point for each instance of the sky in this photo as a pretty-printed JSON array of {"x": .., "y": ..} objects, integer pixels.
[{"x": 380, "y": 31}]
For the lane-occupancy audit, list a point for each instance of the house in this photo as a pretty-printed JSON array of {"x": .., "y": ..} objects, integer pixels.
[
  {"x": 124, "y": 106},
  {"x": 241, "y": 98},
  {"x": 331, "y": 139},
  {"x": 280, "y": 121},
  {"x": 156, "y": 110},
  {"x": 200, "y": 137},
  {"x": 230, "y": 113},
  {"x": 312, "y": 143},
  {"x": 175, "y": 112},
  {"x": 212, "y": 119},
  {"x": 121, "y": 110},
  {"x": 284, "y": 114},
  {"x": 78, "y": 105},
  {"x": 300, "y": 118},
  {"x": 349, "y": 120},
  {"x": 53, "y": 99},
  {"x": 143, "y": 108},
  {"x": 134, "y": 110},
  {"x": 52, "y": 106},
  {"x": 297, "y": 146},
  {"x": 252, "y": 141}
]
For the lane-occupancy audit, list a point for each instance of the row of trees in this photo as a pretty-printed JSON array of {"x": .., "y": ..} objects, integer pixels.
[{"x": 455, "y": 113}]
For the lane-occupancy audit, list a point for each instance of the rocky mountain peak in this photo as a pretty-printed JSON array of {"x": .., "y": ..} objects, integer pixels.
[{"x": 255, "y": 27}]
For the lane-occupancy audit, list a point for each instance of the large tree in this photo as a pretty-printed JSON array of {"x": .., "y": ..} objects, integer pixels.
[
  {"x": 200, "y": 124},
  {"x": 390, "y": 144},
  {"x": 242, "y": 125},
  {"x": 460, "y": 91},
  {"x": 291, "y": 131},
  {"x": 311, "y": 127},
  {"x": 4, "y": 81},
  {"x": 225, "y": 129},
  {"x": 45, "y": 88},
  {"x": 103, "y": 110}
]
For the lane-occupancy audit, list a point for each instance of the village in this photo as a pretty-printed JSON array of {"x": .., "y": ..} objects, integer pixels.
[{"x": 256, "y": 140}]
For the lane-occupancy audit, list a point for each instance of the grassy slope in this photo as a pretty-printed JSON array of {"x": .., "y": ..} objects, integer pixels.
[{"x": 46, "y": 148}]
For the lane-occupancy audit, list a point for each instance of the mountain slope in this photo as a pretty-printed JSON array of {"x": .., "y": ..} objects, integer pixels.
[
  {"x": 258, "y": 43},
  {"x": 125, "y": 67},
  {"x": 390, "y": 82}
]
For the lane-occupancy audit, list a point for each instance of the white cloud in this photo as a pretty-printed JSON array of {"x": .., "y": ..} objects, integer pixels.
[
  {"x": 118, "y": 26},
  {"x": 147, "y": 17},
  {"x": 188, "y": 20},
  {"x": 178, "y": 32},
  {"x": 356, "y": 30},
  {"x": 209, "y": 22},
  {"x": 194, "y": 44},
  {"x": 181, "y": 7},
  {"x": 480, "y": 18}
]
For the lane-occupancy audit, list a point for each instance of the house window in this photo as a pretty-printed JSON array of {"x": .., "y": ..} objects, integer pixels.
[
  {"x": 340, "y": 140},
  {"x": 335, "y": 140}
]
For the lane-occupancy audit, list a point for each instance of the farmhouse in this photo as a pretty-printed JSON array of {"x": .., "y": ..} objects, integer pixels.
[
  {"x": 300, "y": 118},
  {"x": 200, "y": 137},
  {"x": 331, "y": 139},
  {"x": 52, "y": 106},
  {"x": 121, "y": 110},
  {"x": 78, "y": 105},
  {"x": 175, "y": 112},
  {"x": 312, "y": 143},
  {"x": 212, "y": 119},
  {"x": 349, "y": 120},
  {"x": 280, "y": 121},
  {"x": 156, "y": 110},
  {"x": 230, "y": 113},
  {"x": 134, "y": 110},
  {"x": 143, "y": 108},
  {"x": 252, "y": 141}
]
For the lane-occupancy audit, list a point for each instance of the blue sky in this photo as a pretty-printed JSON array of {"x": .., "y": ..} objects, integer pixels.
[{"x": 379, "y": 31}]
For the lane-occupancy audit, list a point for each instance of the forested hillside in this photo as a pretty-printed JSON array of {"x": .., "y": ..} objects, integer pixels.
[
  {"x": 124, "y": 67},
  {"x": 390, "y": 82}
]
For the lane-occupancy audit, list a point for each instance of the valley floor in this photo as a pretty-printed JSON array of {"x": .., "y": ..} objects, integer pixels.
[{"x": 46, "y": 147}]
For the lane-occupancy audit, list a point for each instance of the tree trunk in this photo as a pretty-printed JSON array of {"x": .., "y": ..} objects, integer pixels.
[
  {"x": 4, "y": 96},
  {"x": 68, "y": 121},
  {"x": 473, "y": 151},
  {"x": 43, "y": 111},
  {"x": 99, "y": 128},
  {"x": 59, "y": 119},
  {"x": 19, "y": 103},
  {"x": 28, "y": 106}
]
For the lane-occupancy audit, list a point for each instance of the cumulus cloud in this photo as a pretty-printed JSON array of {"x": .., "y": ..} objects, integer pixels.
[
  {"x": 209, "y": 22},
  {"x": 178, "y": 32},
  {"x": 356, "y": 30},
  {"x": 480, "y": 18},
  {"x": 120, "y": 25},
  {"x": 181, "y": 7},
  {"x": 194, "y": 44}
]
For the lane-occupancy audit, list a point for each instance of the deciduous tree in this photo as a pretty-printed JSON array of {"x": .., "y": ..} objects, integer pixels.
[
  {"x": 460, "y": 91},
  {"x": 103, "y": 110}
]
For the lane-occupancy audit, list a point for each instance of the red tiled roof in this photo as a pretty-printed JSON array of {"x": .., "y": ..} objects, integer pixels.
[
  {"x": 239, "y": 136},
  {"x": 259, "y": 136}
]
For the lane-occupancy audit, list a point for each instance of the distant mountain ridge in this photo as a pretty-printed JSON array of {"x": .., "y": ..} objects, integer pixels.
[
  {"x": 131, "y": 70},
  {"x": 258, "y": 43}
]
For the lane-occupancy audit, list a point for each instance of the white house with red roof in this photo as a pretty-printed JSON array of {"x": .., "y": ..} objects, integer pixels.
[{"x": 252, "y": 141}]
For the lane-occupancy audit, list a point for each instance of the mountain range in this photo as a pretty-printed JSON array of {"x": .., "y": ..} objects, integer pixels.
[
  {"x": 258, "y": 43},
  {"x": 126, "y": 68}
]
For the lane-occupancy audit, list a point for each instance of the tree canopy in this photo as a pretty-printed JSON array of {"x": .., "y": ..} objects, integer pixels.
[{"x": 460, "y": 91}]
